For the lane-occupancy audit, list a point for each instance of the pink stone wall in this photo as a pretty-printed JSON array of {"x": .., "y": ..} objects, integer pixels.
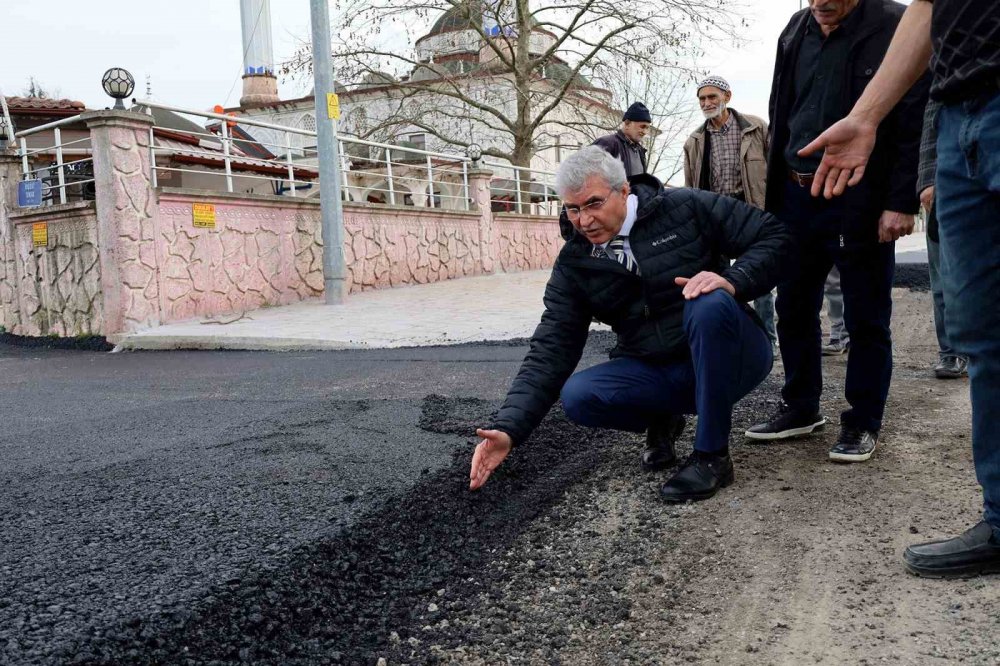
[
  {"x": 261, "y": 253},
  {"x": 525, "y": 242},
  {"x": 391, "y": 247},
  {"x": 125, "y": 212},
  {"x": 264, "y": 251},
  {"x": 10, "y": 174},
  {"x": 56, "y": 289}
]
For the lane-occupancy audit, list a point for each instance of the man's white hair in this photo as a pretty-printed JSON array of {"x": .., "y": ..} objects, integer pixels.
[{"x": 586, "y": 162}]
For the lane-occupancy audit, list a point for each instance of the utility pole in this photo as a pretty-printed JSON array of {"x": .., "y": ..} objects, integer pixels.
[{"x": 331, "y": 210}]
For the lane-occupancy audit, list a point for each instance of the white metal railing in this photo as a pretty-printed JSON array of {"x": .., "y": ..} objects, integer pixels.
[
  {"x": 522, "y": 189},
  {"x": 71, "y": 179},
  {"x": 373, "y": 171}
]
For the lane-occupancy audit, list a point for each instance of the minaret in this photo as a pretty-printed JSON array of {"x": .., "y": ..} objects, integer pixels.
[{"x": 259, "y": 83}]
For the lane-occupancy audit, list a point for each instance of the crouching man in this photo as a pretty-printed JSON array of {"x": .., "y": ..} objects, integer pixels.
[{"x": 647, "y": 261}]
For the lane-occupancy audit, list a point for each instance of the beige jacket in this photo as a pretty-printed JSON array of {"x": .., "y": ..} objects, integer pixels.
[{"x": 753, "y": 161}]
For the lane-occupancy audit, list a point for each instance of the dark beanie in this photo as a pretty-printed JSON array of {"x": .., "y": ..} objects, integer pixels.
[{"x": 639, "y": 113}]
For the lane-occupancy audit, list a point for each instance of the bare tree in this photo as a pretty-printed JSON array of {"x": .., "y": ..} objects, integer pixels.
[
  {"x": 519, "y": 89},
  {"x": 36, "y": 90},
  {"x": 666, "y": 93}
]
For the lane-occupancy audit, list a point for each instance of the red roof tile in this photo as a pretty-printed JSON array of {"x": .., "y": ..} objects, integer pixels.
[{"x": 43, "y": 104}]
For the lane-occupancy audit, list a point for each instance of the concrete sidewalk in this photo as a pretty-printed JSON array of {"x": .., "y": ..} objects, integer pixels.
[{"x": 492, "y": 307}]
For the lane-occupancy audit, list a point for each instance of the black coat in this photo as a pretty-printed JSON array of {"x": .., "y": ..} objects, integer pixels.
[
  {"x": 890, "y": 178},
  {"x": 617, "y": 144},
  {"x": 677, "y": 233}
]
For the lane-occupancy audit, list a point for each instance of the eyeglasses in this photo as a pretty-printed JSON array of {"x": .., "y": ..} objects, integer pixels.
[{"x": 574, "y": 212}]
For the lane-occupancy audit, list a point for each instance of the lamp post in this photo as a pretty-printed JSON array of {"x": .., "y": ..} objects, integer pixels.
[
  {"x": 119, "y": 84},
  {"x": 474, "y": 153},
  {"x": 331, "y": 211}
]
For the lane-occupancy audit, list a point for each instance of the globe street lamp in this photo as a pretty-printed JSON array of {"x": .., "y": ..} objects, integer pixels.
[
  {"x": 118, "y": 83},
  {"x": 474, "y": 152}
]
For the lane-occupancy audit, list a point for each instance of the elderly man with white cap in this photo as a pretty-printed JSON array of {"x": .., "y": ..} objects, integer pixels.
[{"x": 727, "y": 155}]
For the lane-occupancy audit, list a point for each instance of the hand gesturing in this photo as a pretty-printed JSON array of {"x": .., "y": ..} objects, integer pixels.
[{"x": 490, "y": 452}]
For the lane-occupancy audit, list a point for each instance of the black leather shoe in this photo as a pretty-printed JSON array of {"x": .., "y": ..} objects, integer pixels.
[
  {"x": 854, "y": 445},
  {"x": 952, "y": 367},
  {"x": 700, "y": 477},
  {"x": 973, "y": 553},
  {"x": 660, "y": 439},
  {"x": 787, "y": 423}
]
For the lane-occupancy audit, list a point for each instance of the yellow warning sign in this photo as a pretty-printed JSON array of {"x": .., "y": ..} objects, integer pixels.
[
  {"x": 333, "y": 106},
  {"x": 204, "y": 215},
  {"x": 40, "y": 234}
]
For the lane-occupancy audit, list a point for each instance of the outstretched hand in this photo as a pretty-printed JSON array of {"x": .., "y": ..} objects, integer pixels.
[
  {"x": 490, "y": 452},
  {"x": 847, "y": 146},
  {"x": 703, "y": 283}
]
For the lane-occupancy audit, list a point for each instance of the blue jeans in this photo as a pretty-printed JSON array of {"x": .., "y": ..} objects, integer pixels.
[
  {"x": 764, "y": 307},
  {"x": 835, "y": 307},
  {"x": 937, "y": 291},
  {"x": 730, "y": 356},
  {"x": 968, "y": 210},
  {"x": 866, "y": 271}
]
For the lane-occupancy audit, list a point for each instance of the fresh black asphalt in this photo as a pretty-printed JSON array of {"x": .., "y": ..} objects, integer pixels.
[{"x": 228, "y": 507}]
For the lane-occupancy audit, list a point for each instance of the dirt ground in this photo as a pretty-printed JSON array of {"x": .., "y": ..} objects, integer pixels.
[{"x": 798, "y": 562}]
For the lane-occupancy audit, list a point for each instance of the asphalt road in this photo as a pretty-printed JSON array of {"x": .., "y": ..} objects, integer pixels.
[
  {"x": 140, "y": 489},
  {"x": 272, "y": 508}
]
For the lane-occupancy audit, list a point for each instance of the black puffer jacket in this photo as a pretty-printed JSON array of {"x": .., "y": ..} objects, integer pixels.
[{"x": 677, "y": 233}]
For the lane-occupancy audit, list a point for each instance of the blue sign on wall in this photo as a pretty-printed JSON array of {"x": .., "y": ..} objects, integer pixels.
[{"x": 29, "y": 193}]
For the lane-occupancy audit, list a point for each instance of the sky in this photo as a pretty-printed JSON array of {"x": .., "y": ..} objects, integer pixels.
[{"x": 191, "y": 50}]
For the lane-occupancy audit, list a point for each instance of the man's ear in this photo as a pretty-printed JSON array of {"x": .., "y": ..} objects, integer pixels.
[
  {"x": 729, "y": 96},
  {"x": 626, "y": 190}
]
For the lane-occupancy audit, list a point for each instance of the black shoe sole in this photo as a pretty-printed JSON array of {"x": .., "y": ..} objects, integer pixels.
[
  {"x": 964, "y": 571},
  {"x": 697, "y": 497},
  {"x": 787, "y": 434},
  {"x": 850, "y": 457}
]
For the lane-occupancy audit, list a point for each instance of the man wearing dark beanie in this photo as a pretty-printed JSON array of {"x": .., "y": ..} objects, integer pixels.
[{"x": 626, "y": 142}]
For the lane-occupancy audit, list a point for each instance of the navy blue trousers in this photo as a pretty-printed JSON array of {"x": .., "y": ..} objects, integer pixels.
[
  {"x": 866, "y": 270},
  {"x": 730, "y": 356}
]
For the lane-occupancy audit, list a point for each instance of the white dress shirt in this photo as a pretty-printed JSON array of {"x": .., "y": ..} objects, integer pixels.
[{"x": 631, "y": 206}]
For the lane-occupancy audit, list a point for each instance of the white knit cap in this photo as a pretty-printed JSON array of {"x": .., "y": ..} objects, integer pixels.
[{"x": 716, "y": 81}]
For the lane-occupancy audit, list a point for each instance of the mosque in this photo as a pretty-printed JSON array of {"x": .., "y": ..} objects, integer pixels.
[{"x": 377, "y": 108}]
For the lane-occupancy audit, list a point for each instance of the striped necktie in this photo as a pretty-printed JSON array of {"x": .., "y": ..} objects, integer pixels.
[{"x": 616, "y": 248}]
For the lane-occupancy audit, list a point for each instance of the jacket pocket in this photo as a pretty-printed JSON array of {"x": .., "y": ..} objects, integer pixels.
[{"x": 861, "y": 75}]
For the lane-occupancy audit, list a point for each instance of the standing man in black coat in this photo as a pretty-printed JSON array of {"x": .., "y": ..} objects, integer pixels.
[
  {"x": 961, "y": 40},
  {"x": 826, "y": 56},
  {"x": 626, "y": 142},
  {"x": 649, "y": 262}
]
